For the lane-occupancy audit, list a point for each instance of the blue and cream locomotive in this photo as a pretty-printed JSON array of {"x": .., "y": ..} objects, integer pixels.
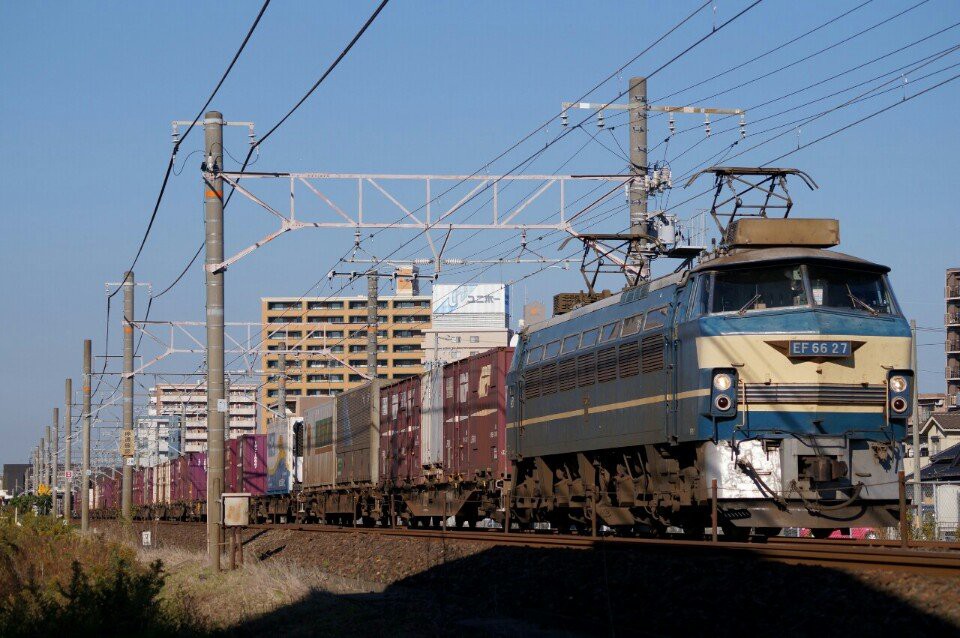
[{"x": 775, "y": 367}]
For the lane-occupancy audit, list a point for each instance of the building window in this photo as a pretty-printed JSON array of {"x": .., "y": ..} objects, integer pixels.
[
  {"x": 324, "y": 305},
  {"x": 474, "y": 339},
  {"x": 283, "y": 305}
]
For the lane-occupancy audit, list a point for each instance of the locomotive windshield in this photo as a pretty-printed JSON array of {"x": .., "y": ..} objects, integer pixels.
[
  {"x": 799, "y": 285},
  {"x": 852, "y": 289},
  {"x": 758, "y": 288}
]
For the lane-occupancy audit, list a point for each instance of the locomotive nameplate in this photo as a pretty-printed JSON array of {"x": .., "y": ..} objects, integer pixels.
[{"x": 808, "y": 348}]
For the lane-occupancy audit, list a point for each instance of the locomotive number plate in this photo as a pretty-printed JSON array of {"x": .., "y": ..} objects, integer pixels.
[{"x": 820, "y": 349}]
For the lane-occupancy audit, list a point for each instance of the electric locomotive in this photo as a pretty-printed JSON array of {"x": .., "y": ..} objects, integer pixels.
[{"x": 771, "y": 378}]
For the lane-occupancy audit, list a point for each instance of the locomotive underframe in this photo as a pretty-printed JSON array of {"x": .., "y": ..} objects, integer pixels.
[{"x": 648, "y": 488}]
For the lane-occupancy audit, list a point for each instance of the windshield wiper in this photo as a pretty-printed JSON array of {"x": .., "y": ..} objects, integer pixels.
[
  {"x": 857, "y": 301},
  {"x": 749, "y": 304}
]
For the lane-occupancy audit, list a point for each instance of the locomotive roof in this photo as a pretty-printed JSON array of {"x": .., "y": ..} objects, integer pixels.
[{"x": 743, "y": 256}]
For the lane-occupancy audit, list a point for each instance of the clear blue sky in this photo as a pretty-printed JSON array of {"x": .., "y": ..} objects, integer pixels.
[{"x": 88, "y": 90}]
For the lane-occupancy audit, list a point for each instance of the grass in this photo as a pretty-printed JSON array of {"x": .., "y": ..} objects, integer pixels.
[{"x": 52, "y": 579}]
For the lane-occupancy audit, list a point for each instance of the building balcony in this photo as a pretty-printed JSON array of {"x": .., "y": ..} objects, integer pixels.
[
  {"x": 953, "y": 374},
  {"x": 952, "y": 291},
  {"x": 951, "y": 319}
]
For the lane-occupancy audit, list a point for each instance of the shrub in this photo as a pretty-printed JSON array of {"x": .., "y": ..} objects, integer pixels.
[{"x": 53, "y": 580}]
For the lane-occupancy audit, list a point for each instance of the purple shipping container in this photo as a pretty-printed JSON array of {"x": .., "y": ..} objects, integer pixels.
[
  {"x": 138, "y": 486},
  {"x": 196, "y": 476},
  {"x": 253, "y": 464}
]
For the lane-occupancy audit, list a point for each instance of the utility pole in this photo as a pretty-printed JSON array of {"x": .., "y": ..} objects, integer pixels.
[
  {"x": 68, "y": 449},
  {"x": 34, "y": 483},
  {"x": 55, "y": 461},
  {"x": 917, "y": 488},
  {"x": 126, "y": 453},
  {"x": 47, "y": 456},
  {"x": 373, "y": 308},
  {"x": 84, "y": 493},
  {"x": 638, "y": 155},
  {"x": 213, "y": 224},
  {"x": 645, "y": 180},
  {"x": 282, "y": 391}
]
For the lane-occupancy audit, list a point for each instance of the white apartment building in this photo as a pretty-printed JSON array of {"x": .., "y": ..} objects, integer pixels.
[{"x": 188, "y": 401}]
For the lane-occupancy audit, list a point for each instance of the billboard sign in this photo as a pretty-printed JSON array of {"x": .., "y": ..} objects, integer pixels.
[{"x": 455, "y": 299}]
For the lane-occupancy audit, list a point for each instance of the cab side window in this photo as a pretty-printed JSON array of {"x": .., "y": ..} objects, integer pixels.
[{"x": 700, "y": 299}]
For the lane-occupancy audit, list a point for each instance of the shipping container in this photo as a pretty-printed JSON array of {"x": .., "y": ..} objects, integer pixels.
[
  {"x": 283, "y": 463},
  {"x": 400, "y": 407},
  {"x": 138, "y": 486},
  {"x": 196, "y": 476},
  {"x": 474, "y": 414},
  {"x": 431, "y": 417},
  {"x": 232, "y": 470},
  {"x": 357, "y": 426},
  {"x": 319, "y": 451},
  {"x": 253, "y": 464}
]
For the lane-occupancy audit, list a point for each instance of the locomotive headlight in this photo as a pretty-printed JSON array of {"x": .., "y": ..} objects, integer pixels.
[
  {"x": 722, "y": 381},
  {"x": 898, "y": 384}
]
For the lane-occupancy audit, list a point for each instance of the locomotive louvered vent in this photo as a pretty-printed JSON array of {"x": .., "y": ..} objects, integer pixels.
[
  {"x": 607, "y": 365},
  {"x": 832, "y": 394},
  {"x": 586, "y": 369},
  {"x": 548, "y": 379},
  {"x": 531, "y": 383},
  {"x": 568, "y": 374},
  {"x": 629, "y": 359},
  {"x": 651, "y": 353}
]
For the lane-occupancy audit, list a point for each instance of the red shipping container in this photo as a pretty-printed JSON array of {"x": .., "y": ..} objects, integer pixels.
[
  {"x": 474, "y": 414},
  {"x": 176, "y": 479},
  {"x": 137, "y": 486},
  {"x": 400, "y": 431},
  {"x": 253, "y": 464},
  {"x": 233, "y": 469}
]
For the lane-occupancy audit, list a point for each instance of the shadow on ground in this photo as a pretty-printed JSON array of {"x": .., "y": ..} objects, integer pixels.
[{"x": 513, "y": 591}]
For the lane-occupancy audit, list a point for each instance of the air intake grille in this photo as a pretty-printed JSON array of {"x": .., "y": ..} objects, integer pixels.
[{"x": 820, "y": 394}]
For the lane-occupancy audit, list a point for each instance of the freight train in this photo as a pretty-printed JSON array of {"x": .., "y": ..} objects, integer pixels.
[{"x": 770, "y": 380}]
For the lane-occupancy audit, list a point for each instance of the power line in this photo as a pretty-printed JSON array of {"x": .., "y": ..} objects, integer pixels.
[{"x": 173, "y": 154}]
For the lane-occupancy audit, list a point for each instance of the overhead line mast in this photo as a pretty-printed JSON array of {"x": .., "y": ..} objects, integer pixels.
[{"x": 646, "y": 179}]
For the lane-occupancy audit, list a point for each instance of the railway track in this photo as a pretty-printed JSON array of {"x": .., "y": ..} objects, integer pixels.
[{"x": 935, "y": 558}]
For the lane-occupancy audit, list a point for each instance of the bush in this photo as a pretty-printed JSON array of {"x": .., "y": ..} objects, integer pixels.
[{"x": 53, "y": 580}]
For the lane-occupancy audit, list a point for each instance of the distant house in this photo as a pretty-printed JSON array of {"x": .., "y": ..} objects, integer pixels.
[
  {"x": 941, "y": 431},
  {"x": 927, "y": 404}
]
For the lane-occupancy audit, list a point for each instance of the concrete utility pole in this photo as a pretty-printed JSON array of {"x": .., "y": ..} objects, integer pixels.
[
  {"x": 917, "y": 490},
  {"x": 126, "y": 499},
  {"x": 282, "y": 390},
  {"x": 213, "y": 223},
  {"x": 54, "y": 460},
  {"x": 638, "y": 154},
  {"x": 47, "y": 457},
  {"x": 34, "y": 483},
  {"x": 68, "y": 451},
  {"x": 84, "y": 493},
  {"x": 373, "y": 307}
]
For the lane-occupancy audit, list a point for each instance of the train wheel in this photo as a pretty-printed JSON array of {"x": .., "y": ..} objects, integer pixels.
[
  {"x": 768, "y": 531},
  {"x": 734, "y": 533}
]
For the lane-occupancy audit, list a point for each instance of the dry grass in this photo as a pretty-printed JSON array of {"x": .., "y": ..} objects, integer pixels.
[{"x": 231, "y": 598}]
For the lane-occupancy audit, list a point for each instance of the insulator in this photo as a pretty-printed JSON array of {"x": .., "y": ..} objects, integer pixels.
[
  {"x": 600, "y": 122},
  {"x": 743, "y": 126},
  {"x": 706, "y": 124},
  {"x": 673, "y": 124},
  {"x": 564, "y": 120}
]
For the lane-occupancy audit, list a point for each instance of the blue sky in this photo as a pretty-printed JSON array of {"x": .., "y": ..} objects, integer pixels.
[{"x": 88, "y": 90}]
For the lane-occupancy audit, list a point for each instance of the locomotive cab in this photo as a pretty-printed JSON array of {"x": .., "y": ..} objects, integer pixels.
[{"x": 802, "y": 358}]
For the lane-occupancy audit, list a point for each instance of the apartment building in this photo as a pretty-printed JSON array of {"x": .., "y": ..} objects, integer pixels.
[
  {"x": 952, "y": 324},
  {"x": 189, "y": 402},
  {"x": 325, "y": 342}
]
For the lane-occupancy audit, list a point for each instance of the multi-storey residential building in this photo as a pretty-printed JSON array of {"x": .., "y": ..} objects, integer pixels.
[
  {"x": 952, "y": 324},
  {"x": 324, "y": 341},
  {"x": 189, "y": 402}
]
